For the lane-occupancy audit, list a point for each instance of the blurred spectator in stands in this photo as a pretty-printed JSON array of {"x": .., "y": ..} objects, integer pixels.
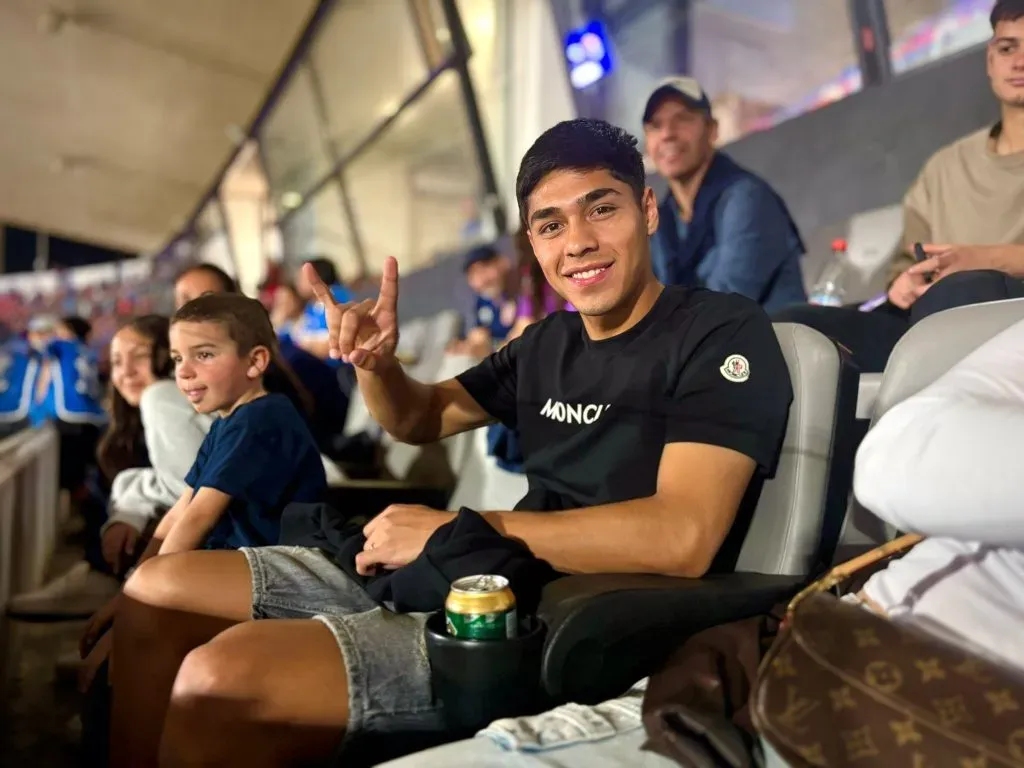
[
  {"x": 536, "y": 298},
  {"x": 965, "y": 207},
  {"x": 721, "y": 226},
  {"x": 53, "y": 380},
  {"x": 287, "y": 310},
  {"x": 310, "y": 332},
  {"x": 267, "y": 288},
  {"x": 492, "y": 313},
  {"x": 199, "y": 279},
  {"x": 74, "y": 328}
]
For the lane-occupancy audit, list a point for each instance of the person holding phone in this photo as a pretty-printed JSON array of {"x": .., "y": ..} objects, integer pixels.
[{"x": 964, "y": 210}]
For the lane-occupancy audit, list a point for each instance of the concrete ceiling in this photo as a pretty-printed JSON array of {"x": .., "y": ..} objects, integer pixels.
[{"x": 115, "y": 115}]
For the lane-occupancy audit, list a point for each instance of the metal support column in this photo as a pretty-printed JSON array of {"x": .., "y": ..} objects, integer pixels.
[
  {"x": 460, "y": 45},
  {"x": 348, "y": 211},
  {"x": 871, "y": 40},
  {"x": 679, "y": 36}
]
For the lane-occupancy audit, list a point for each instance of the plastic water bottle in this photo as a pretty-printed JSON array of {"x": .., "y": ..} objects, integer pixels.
[{"x": 829, "y": 290}]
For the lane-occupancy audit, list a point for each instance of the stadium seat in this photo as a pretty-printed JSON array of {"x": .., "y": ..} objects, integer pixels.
[
  {"x": 482, "y": 484},
  {"x": 607, "y": 631}
]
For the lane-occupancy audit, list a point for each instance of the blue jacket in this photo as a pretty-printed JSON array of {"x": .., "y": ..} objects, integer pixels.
[
  {"x": 741, "y": 239},
  {"x": 74, "y": 395}
]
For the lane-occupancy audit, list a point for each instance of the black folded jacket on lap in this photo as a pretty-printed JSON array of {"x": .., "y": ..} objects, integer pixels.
[{"x": 466, "y": 546}]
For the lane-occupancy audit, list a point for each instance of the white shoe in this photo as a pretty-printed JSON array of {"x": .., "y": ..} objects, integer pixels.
[{"x": 77, "y": 593}]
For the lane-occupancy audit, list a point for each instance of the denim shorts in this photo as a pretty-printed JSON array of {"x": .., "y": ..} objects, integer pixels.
[{"x": 384, "y": 653}]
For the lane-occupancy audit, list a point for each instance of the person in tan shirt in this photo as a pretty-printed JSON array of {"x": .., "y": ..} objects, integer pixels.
[{"x": 967, "y": 209}]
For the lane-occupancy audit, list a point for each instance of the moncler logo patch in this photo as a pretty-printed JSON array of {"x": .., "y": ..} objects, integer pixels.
[{"x": 735, "y": 369}]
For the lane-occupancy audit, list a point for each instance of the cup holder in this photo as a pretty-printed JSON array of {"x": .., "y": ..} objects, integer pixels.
[{"x": 478, "y": 681}]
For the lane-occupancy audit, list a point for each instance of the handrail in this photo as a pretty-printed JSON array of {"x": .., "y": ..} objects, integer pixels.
[{"x": 29, "y": 508}]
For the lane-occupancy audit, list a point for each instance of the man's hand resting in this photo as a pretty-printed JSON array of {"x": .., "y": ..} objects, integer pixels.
[
  {"x": 366, "y": 332},
  {"x": 397, "y": 536}
]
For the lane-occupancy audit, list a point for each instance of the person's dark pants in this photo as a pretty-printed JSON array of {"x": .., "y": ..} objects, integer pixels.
[
  {"x": 871, "y": 336},
  {"x": 92, "y": 505},
  {"x": 80, "y": 476},
  {"x": 77, "y": 453}
]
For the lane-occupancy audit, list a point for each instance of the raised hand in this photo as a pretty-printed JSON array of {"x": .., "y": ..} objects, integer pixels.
[{"x": 366, "y": 332}]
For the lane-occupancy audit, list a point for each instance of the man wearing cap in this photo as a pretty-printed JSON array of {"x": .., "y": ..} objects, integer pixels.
[{"x": 721, "y": 227}]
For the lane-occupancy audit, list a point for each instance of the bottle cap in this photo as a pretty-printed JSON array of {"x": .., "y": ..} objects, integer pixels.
[{"x": 839, "y": 244}]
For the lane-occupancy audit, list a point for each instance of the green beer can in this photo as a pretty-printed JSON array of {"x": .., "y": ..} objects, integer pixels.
[{"x": 481, "y": 608}]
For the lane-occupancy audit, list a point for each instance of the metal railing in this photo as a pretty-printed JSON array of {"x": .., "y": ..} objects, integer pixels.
[{"x": 29, "y": 508}]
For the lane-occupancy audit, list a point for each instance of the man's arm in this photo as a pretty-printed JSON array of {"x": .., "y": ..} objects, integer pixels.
[
  {"x": 753, "y": 239},
  {"x": 675, "y": 532},
  {"x": 418, "y": 413}
]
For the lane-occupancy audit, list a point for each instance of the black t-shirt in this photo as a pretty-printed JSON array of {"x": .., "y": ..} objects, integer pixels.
[{"x": 594, "y": 416}]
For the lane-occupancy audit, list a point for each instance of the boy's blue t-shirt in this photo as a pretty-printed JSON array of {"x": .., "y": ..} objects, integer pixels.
[{"x": 264, "y": 457}]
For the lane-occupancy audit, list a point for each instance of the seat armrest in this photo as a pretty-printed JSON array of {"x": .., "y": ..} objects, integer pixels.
[{"x": 606, "y": 631}]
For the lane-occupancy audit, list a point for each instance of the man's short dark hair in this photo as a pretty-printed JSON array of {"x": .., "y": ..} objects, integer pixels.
[
  {"x": 325, "y": 270},
  {"x": 583, "y": 144},
  {"x": 1006, "y": 10}
]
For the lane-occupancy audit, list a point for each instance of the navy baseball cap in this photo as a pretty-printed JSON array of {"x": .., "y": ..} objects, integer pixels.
[
  {"x": 684, "y": 88},
  {"x": 478, "y": 254}
]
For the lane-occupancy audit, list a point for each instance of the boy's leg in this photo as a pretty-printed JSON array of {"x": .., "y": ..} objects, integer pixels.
[
  {"x": 278, "y": 692},
  {"x": 261, "y": 693},
  {"x": 171, "y": 605}
]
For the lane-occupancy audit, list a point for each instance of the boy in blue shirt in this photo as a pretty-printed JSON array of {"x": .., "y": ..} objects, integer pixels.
[
  {"x": 257, "y": 458},
  {"x": 260, "y": 455}
]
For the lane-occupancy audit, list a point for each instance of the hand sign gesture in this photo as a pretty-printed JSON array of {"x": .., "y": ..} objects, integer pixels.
[{"x": 362, "y": 333}]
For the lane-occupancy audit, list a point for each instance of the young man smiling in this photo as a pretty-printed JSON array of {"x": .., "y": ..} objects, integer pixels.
[{"x": 648, "y": 421}]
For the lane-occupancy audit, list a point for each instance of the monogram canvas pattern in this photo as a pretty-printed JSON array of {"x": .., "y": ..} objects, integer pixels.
[{"x": 843, "y": 686}]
